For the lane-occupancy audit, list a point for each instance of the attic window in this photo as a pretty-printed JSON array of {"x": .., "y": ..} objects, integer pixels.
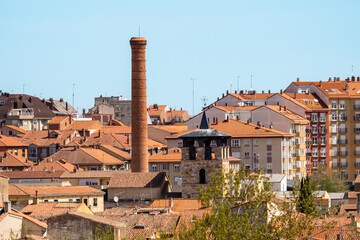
[
  {"x": 41, "y": 138},
  {"x": 353, "y": 89},
  {"x": 326, "y": 90},
  {"x": 2, "y": 102},
  {"x": 25, "y": 139}
]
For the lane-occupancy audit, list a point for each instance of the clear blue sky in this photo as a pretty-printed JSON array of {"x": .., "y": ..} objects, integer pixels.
[{"x": 49, "y": 45}]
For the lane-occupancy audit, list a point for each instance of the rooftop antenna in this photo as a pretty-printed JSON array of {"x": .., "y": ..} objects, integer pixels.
[
  {"x": 73, "y": 96},
  {"x": 238, "y": 86},
  {"x": 193, "y": 95},
  {"x": 204, "y": 100},
  {"x": 23, "y": 88},
  {"x": 251, "y": 80},
  {"x": 139, "y": 31},
  {"x": 352, "y": 70},
  {"x": 230, "y": 88}
]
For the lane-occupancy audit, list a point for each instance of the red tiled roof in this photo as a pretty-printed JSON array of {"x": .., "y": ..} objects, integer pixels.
[
  {"x": 16, "y": 128},
  {"x": 58, "y": 166},
  {"x": 10, "y": 160},
  {"x": 11, "y": 142},
  {"x": 44, "y": 210},
  {"x": 58, "y": 119},
  {"x": 31, "y": 174},
  {"x": 137, "y": 180},
  {"x": 87, "y": 125},
  {"x": 22, "y": 190}
]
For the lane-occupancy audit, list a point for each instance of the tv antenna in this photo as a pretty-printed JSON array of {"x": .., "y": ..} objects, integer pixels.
[
  {"x": 238, "y": 87},
  {"x": 23, "y": 88},
  {"x": 204, "y": 100},
  {"x": 73, "y": 96},
  {"x": 193, "y": 95},
  {"x": 251, "y": 81},
  {"x": 352, "y": 70},
  {"x": 139, "y": 31}
]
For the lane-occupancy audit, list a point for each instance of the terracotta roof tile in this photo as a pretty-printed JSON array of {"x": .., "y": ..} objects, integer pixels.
[
  {"x": 89, "y": 174},
  {"x": 117, "y": 151},
  {"x": 58, "y": 166},
  {"x": 42, "y": 138},
  {"x": 286, "y": 113},
  {"x": 137, "y": 180},
  {"x": 11, "y": 142},
  {"x": 31, "y": 174},
  {"x": 10, "y": 160},
  {"x": 116, "y": 129},
  {"x": 22, "y": 190},
  {"x": 58, "y": 119},
  {"x": 16, "y": 128},
  {"x": 87, "y": 125},
  {"x": 180, "y": 204},
  {"x": 98, "y": 219},
  {"x": 33, "y": 220}
]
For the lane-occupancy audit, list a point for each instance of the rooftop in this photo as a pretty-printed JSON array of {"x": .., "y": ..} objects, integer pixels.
[{"x": 137, "y": 180}]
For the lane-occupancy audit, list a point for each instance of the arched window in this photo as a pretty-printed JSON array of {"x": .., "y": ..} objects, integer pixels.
[{"x": 202, "y": 178}]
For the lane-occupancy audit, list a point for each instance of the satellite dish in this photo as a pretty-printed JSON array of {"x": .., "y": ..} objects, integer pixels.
[{"x": 116, "y": 199}]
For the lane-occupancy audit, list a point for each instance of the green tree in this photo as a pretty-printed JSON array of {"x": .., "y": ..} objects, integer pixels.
[
  {"x": 331, "y": 182},
  {"x": 306, "y": 198},
  {"x": 242, "y": 207}
]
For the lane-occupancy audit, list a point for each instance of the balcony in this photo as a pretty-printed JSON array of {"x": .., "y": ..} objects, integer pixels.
[
  {"x": 21, "y": 113},
  {"x": 323, "y": 155},
  {"x": 356, "y": 107},
  {"x": 357, "y": 141},
  {"x": 343, "y": 153},
  {"x": 343, "y": 141},
  {"x": 357, "y": 118},
  {"x": 343, "y": 165},
  {"x": 357, "y": 164},
  {"x": 343, "y": 130}
]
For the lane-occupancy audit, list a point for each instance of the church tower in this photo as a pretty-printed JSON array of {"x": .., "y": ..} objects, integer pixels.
[{"x": 204, "y": 152}]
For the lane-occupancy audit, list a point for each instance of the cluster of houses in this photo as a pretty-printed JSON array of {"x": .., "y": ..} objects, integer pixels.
[{"x": 55, "y": 166}]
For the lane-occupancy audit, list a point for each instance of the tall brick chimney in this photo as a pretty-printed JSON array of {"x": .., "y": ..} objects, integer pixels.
[{"x": 139, "y": 133}]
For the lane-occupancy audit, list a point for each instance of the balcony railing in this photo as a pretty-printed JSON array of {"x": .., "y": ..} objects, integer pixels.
[
  {"x": 21, "y": 112},
  {"x": 322, "y": 119},
  {"x": 343, "y": 153},
  {"x": 343, "y": 130},
  {"x": 334, "y": 154},
  {"x": 308, "y": 154},
  {"x": 343, "y": 141},
  {"x": 344, "y": 165}
]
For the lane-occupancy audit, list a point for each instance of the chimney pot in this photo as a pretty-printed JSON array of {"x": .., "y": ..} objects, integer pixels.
[
  {"x": 298, "y": 79},
  {"x": 281, "y": 91},
  {"x": 269, "y": 91}
]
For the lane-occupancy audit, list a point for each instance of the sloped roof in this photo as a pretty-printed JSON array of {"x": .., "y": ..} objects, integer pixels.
[
  {"x": 286, "y": 113},
  {"x": 58, "y": 166},
  {"x": 173, "y": 155},
  {"x": 87, "y": 125},
  {"x": 22, "y": 190},
  {"x": 31, "y": 219},
  {"x": 85, "y": 156},
  {"x": 58, "y": 119},
  {"x": 44, "y": 210},
  {"x": 31, "y": 174},
  {"x": 11, "y": 142},
  {"x": 41, "y": 138},
  {"x": 16, "y": 128},
  {"x": 89, "y": 174},
  {"x": 25, "y": 101},
  {"x": 137, "y": 180},
  {"x": 170, "y": 128},
  {"x": 11, "y": 160},
  {"x": 116, "y": 129},
  {"x": 117, "y": 151}
]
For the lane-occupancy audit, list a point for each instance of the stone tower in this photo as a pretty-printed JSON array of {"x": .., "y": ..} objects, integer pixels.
[
  {"x": 139, "y": 133},
  {"x": 204, "y": 152}
]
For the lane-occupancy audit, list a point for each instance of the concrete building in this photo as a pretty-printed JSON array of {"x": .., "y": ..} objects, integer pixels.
[
  {"x": 25, "y": 111},
  {"x": 78, "y": 225},
  {"x": 342, "y": 97},
  {"x": 121, "y": 107}
]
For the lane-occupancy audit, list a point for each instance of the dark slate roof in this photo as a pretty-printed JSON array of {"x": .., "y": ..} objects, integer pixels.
[
  {"x": 24, "y": 101},
  {"x": 204, "y": 122},
  {"x": 204, "y": 133}
]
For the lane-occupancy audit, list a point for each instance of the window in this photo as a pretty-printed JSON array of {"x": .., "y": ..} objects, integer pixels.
[
  {"x": 247, "y": 166},
  {"x": 10, "y": 133},
  {"x": 246, "y": 142},
  {"x": 333, "y": 105},
  {"x": 95, "y": 202},
  {"x": 315, "y": 140},
  {"x": 342, "y": 104},
  {"x": 269, "y": 143},
  {"x": 322, "y": 129},
  {"x": 269, "y": 165},
  {"x": 180, "y": 143},
  {"x": 314, "y": 129},
  {"x": 35, "y": 122},
  {"x": 235, "y": 142},
  {"x": 202, "y": 177},
  {"x": 269, "y": 154},
  {"x": 85, "y": 201},
  {"x": 154, "y": 168},
  {"x": 23, "y": 153},
  {"x": 16, "y": 152},
  {"x": 322, "y": 117},
  {"x": 247, "y": 155},
  {"x": 78, "y": 200},
  {"x": 334, "y": 116},
  {"x": 323, "y": 140},
  {"x": 176, "y": 167},
  {"x": 255, "y": 142},
  {"x": 165, "y": 166},
  {"x": 178, "y": 180},
  {"x": 342, "y": 116},
  {"x": 256, "y": 166},
  {"x": 213, "y": 143},
  {"x": 323, "y": 152},
  {"x": 315, "y": 152},
  {"x": 314, "y": 117}
]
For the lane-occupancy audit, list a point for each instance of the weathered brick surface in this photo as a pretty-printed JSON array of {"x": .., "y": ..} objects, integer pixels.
[
  {"x": 139, "y": 156},
  {"x": 191, "y": 168}
]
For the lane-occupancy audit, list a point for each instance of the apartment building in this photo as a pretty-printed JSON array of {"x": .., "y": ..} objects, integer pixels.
[
  {"x": 25, "y": 111},
  {"x": 342, "y": 98},
  {"x": 122, "y": 107},
  {"x": 311, "y": 107},
  {"x": 259, "y": 148}
]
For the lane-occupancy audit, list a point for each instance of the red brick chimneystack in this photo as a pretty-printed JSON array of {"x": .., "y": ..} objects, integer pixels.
[{"x": 139, "y": 133}]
